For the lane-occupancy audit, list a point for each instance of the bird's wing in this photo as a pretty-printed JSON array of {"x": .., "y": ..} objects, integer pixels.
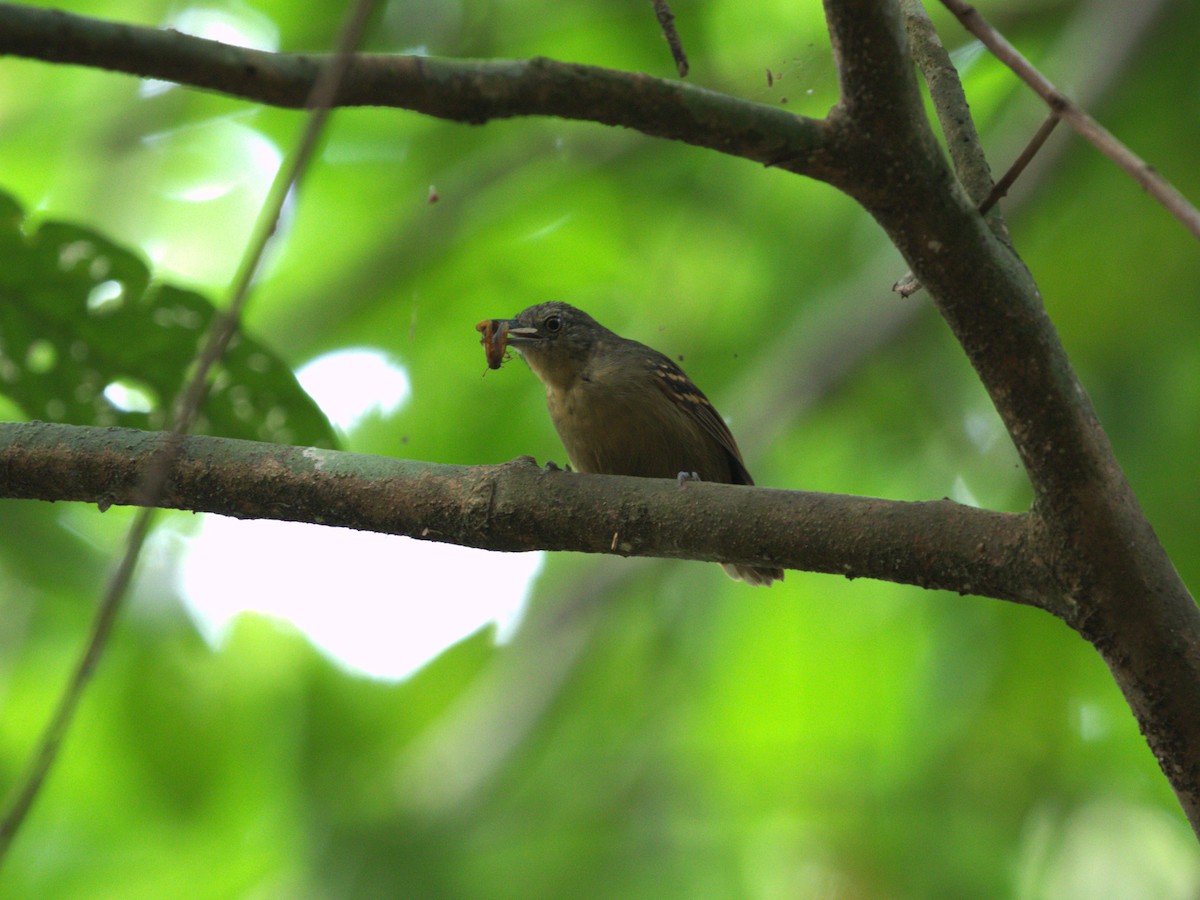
[{"x": 684, "y": 393}]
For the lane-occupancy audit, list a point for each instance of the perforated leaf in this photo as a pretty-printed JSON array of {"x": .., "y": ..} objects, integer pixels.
[{"x": 87, "y": 338}]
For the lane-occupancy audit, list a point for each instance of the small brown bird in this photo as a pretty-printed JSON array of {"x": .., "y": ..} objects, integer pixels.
[{"x": 622, "y": 408}]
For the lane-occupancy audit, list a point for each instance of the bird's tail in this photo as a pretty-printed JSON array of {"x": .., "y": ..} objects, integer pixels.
[{"x": 756, "y": 575}]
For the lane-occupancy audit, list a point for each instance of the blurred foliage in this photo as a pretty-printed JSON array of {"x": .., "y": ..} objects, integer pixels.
[{"x": 653, "y": 729}]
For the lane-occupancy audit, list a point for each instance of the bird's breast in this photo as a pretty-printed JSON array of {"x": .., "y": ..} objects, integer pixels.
[{"x": 632, "y": 432}]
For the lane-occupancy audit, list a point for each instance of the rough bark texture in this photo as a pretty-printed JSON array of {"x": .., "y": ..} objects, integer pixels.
[{"x": 522, "y": 506}]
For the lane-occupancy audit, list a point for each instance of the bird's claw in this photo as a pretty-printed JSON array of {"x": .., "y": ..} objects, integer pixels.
[{"x": 684, "y": 477}]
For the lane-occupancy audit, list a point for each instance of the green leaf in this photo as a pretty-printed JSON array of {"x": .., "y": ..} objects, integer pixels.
[{"x": 87, "y": 338}]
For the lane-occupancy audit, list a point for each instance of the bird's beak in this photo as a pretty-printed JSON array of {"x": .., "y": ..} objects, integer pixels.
[{"x": 521, "y": 334}]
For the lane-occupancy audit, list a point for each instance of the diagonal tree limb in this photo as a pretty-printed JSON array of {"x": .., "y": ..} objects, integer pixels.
[
  {"x": 954, "y": 118},
  {"x": 982, "y": 288},
  {"x": 908, "y": 285},
  {"x": 1124, "y": 594},
  {"x": 949, "y": 101}
]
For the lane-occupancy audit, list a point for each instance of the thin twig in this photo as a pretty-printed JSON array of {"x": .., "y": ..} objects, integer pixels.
[
  {"x": 1014, "y": 171},
  {"x": 186, "y": 408},
  {"x": 666, "y": 21},
  {"x": 1145, "y": 174}
]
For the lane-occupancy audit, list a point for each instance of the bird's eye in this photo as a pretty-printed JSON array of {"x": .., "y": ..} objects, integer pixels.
[{"x": 553, "y": 324}]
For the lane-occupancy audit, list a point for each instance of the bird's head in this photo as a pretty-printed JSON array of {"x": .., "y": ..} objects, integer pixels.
[{"x": 556, "y": 340}]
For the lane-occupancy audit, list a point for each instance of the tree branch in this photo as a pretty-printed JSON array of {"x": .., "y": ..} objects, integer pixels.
[
  {"x": 519, "y": 506},
  {"x": 981, "y": 287},
  {"x": 954, "y": 118},
  {"x": 472, "y": 91},
  {"x": 1122, "y": 592},
  {"x": 1085, "y": 552},
  {"x": 949, "y": 101}
]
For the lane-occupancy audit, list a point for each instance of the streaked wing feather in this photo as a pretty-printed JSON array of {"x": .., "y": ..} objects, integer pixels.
[{"x": 691, "y": 399}]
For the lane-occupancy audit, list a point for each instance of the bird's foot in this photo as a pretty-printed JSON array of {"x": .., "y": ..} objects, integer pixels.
[{"x": 684, "y": 477}]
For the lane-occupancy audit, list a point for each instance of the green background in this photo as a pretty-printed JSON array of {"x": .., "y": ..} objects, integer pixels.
[{"x": 653, "y": 729}]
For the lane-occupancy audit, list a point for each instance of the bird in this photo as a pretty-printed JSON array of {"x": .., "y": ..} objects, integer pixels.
[{"x": 622, "y": 408}]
